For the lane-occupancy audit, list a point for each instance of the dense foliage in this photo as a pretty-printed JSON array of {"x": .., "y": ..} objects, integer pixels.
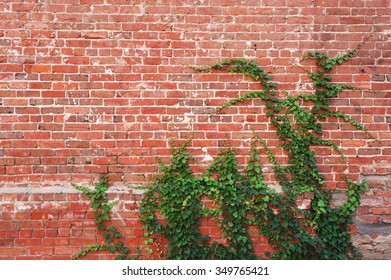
[{"x": 173, "y": 205}]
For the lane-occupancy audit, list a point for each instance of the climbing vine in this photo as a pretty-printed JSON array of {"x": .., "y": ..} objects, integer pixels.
[
  {"x": 319, "y": 232},
  {"x": 111, "y": 235},
  {"x": 173, "y": 205}
]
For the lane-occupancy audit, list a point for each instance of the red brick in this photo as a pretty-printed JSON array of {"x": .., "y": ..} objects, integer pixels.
[
  {"x": 66, "y": 250},
  {"x": 39, "y": 68},
  {"x": 7, "y": 242},
  {"x": 36, "y": 135},
  {"x": 94, "y": 35},
  {"x": 380, "y": 211},
  {"x": 44, "y": 215},
  {"x": 65, "y": 69},
  {"x": 40, "y": 251},
  {"x": 55, "y": 241},
  {"x": 18, "y": 170},
  {"x": 65, "y": 86},
  {"x": 25, "y": 233},
  {"x": 15, "y": 251},
  {"x": 28, "y": 242}
]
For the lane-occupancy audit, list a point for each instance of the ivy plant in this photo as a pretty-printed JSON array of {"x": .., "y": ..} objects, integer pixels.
[
  {"x": 173, "y": 205},
  {"x": 102, "y": 207},
  {"x": 244, "y": 199}
]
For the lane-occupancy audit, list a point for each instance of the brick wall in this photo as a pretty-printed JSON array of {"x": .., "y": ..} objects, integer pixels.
[{"x": 89, "y": 87}]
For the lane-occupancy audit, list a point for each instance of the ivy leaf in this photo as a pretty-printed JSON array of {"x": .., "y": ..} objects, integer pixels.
[
  {"x": 321, "y": 203},
  {"x": 112, "y": 228},
  {"x": 102, "y": 227},
  {"x": 95, "y": 205},
  {"x": 112, "y": 249}
]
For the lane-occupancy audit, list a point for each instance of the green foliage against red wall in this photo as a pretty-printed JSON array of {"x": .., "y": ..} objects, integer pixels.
[{"x": 95, "y": 87}]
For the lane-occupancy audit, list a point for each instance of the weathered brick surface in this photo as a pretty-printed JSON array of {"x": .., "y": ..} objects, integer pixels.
[{"x": 102, "y": 86}]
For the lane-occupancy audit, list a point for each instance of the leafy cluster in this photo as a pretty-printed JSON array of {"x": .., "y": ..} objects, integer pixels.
[
  {"x": 102, "y": 206},
  {"x": 177, "y": 196},
  {"x": 173, "y": 207}
]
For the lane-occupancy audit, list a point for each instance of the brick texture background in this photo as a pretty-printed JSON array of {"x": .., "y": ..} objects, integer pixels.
[{"x": 89, "y": 87}]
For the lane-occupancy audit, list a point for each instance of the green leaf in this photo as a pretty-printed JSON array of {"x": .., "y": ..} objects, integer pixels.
[
  {"x": 112, "y": 249},
  {"x": 321, "y": 203},
  {"x": 112, "y": 228},
  {"x": 102, "y": 227},
  {"x": 95, "y": 205}
]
